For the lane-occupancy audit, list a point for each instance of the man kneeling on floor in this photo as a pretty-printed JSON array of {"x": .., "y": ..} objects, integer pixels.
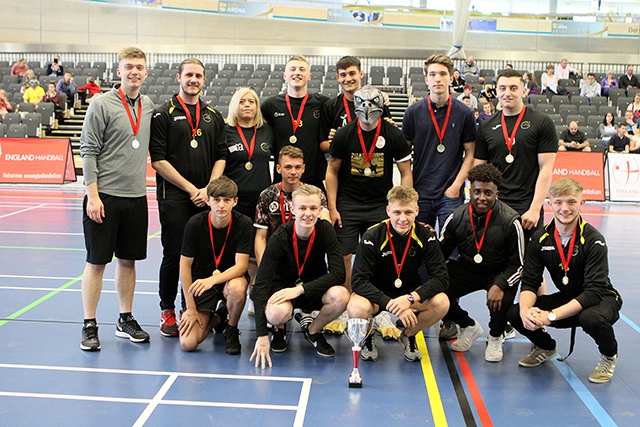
[
  {"x": 490, "y": 243},
  {"x": 575, "y": 255},
  {"x": 293, "y": 274},
  {"x": 217, "y": 241},
  {"x": 386, "y": 276}
]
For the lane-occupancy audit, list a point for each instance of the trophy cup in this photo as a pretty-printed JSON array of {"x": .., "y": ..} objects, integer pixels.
[{"x": 357, "y": 331}]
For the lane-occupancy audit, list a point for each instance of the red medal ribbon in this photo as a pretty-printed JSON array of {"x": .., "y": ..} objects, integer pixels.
[
  {"x": 346, "y": 108},
  {"x": 285, "y": 218},
  {"x": 509, "y": 139},
  {"x": 296, "y": 123},
  {"x": 440, "y": 132},
  {"x": 565, "y": 259},
  {"x": 473, "y": 229},
  {"x": 393, "y": 249},
  {"x": 194, "y": 130},
  {"x": 368, "y": 155},
  {"x": 248, "y": 147},
  {"x": 135, "y": 125},
  {"x": 295, "y": 249},
  {"x": 217, "y": 259}
]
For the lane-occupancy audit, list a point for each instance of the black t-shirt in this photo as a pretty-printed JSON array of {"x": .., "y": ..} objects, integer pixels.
[
  {"x": 353, "y": 184},
  {"x": 197, "y": 243},
  {"x": 275, "y": 112},
  {"x": 334, "y": 116},
  {"x": 250, "y": 182},
  {"x": 536, "y": 134}
]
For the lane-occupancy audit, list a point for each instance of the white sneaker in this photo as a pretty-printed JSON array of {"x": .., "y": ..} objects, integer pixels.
[
  {"x": 604, "y": 371},
  {"x": 509, "y": 333},
  {"x": 467, "y": 336},
  {"x": 493, "y": 352}
]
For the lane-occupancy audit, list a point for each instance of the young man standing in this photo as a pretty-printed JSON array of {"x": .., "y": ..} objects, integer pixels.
[
  {"x": 295, "y": 119},
  {"x": 575, "y": 255},
  {"x": 294, "y": 274},
  {"x": 489, "y": 238},
  {"x": 217, "y": 241},
  {"x": 188, "y": 149},
  {"x": 114, "y": 145},
  {"x": 386, "y": 274}
]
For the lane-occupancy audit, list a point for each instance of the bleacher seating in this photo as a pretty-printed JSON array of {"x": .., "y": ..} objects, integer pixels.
[
  {"x": 579, "y": 100},
  {"x": 12, "y": 118},
  {"x": 557, "y": 119},
  {"x": 537, "y": 99},
  {"x": 47, "y": 113},
  {"x": 243, "y": 74},
  {"x": 226, "y": 73},
  {"x": 566, "y": 109},
  {"x": 604, "y": 109},
  {"x": 594, "y": 121},
  {"x": 546, "y": 108},
  {"x": 614, "y": 94},
  {"x": 599, "y": 100},
  {"x": 164, "y": 81},
  {"x": 588, "y": 110},
  {"x": 26, "y": 107},
  {"x": 581, "y": 120},
  {"x": 3, "y": 130},
  {"x": 588, "y": 131},
  {"x": 17, "y": 130},
  {"x": 557, "y": 100},
  {"x": 394, "y": 76},
  {"x": 263, "y": 67},
  {"x": 230, "y": 66},
  {"x": 33, "y": 122},
  {"x": 211, "y": 69},
  {"x": 172, "y": 90},
  {"x": 214, "y": 91},
  {"x": 161, "y": 65},
  {"x": 597, "y": 145}
]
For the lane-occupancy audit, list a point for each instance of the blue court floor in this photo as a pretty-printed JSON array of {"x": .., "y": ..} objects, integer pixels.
[{"x": 46, "y": 380}]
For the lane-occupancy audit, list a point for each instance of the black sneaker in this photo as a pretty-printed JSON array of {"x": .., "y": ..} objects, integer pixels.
[
  {"x": 223, "y": 314},
  {"x": 90, "y": 341},
  {"x": 232, "y": 334},
  {"x": 323, "y": 348},
  {"x": 132, "y": 330},
  {"x": 304, "y": 319},
  {"x": 279, "y": 339}
]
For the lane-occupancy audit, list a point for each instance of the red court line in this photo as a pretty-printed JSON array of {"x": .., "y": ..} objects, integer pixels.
[{"x": 476, "y": 396}]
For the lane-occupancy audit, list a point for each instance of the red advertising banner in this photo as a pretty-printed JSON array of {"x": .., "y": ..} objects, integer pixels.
[
  {"x": 36, "y": 160},
  {"x": 586, "y": 168}
]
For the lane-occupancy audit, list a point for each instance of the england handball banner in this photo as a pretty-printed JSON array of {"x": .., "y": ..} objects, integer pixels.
[
  {"x": 36, "y": 161},
  {"x": 586, "y": 168},
  {"x": 624, "y": 177}
]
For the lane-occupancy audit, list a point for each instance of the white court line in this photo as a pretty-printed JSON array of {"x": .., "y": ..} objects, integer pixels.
[
  {"x": 154, "y": 402},
  {"x": 105, "y": 291},
  {"x": 302, "y": 404},
  {"x": 23, "y": 210},
  {"x": 21, "y": 276},
  {"x": 39, "y": 233}
]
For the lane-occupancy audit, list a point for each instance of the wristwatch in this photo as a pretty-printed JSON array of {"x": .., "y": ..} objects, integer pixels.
[
  {"x": 551, "y": 316},
  {"x": 411, "y": 298}
]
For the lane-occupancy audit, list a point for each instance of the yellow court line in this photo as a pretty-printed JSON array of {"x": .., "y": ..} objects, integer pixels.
[{"x": 435, "y": 401}]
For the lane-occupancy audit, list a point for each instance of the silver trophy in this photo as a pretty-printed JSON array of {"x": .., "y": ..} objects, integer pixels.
[{"x": 357, "y": 331}]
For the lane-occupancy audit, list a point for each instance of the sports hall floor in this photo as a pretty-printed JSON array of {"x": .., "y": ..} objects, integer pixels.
[{"x": 46, "y": 380}]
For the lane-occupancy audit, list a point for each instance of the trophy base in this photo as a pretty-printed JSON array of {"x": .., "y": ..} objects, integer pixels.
[{"x": 355, "y": 385}]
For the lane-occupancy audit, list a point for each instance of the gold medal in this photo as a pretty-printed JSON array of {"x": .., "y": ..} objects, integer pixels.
[
  {"x": 509, "y": 158},
  {"x": 248, "y": 166},
  {"x": 477, "y": 258},
  {"x": 216, "y": 271},
  {"x": 565, "y": 280},
  {"x": 440, "y": 148},
  {"x": 194, "y": 143},
  {"x": 293, "y": 139},
  {"x": 367, "y": 171},
  {"x": 397, "y": 283},
  {"x": 135, "y": 144}
]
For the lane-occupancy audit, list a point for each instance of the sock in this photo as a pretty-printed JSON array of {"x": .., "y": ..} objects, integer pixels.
[{"x": 125, "y": 316}]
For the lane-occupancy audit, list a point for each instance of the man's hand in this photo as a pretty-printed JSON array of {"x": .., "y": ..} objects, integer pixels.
[
  {"x": 199, "y": 197},
  {"x": 95, "y": 209},
  {"x": 286, "y": 294},
  {"x": 261, "y": 352},
  {"x": 332, "y": 133},
  {"x": 408, "y": 318},
  {"x": 398, "y": 305},
  {"x": 335, "y": 218},
  {"x": 199, "y": 286},
  {"x": 530, "y": 219},
  {"x": 453, "y": 192},
  {"x": 189, "y": 319},
  {"x": 531, "y": 318},
  {"x": 494, "y": 298}
]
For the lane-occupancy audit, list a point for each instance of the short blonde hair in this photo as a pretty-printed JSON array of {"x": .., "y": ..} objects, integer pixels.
[
  {"x": 403, "y": 195},
  {"x": 131, "y": 52},
  {"x": 565, "y": 187},
  {"x": 234, "y": 105},
  {"x": 306, "y": 190},
  {"x": 298, "y": 58}
]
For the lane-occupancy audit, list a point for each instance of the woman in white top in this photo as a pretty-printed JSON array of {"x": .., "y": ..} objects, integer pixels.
[
  {"x": 607, "y": 128},
  {"x": 549, "y": 80}
]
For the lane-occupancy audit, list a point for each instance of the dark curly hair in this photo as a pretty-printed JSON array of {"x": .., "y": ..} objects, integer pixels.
[{"x": 485, "y": 173}]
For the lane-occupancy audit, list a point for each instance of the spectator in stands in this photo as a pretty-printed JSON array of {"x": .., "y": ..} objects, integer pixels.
[
  {"x": 473, "y": 101},
  {"x": 55, "y": 68},
  {"x": 467, "y": 101},
  {"x": 52, "y": 95},
  {"x": 564, "y": 71},
  {"x": 629, "y": 80},
  {"x": 591, "y": 88},
  {"x": 630, "y": 121},
  {"x": 607, "y": 128},
  {"x": 549, "y": 80},
  {"x": 488, "y": 93},
  {"x": 458, "y": 82},
  {"x": 572, "y": 139},
  {"x": 91, "y": 89},
  {"x": 609, "y": 82},
  {"x": 5, "y": 105},
  {"x": 34, "y": 94},
  {"x": 470, "y": 68},
  {"x": 68, "y": 87},
  {"x": 487, "y": 111},
  {"x": 530, "y": 84},
  {"x": 27, "y": 80},
  {"x": 619, "y": 143},
  {"x": 635, "y": 106},
  {"x": 19, "y": 69}
]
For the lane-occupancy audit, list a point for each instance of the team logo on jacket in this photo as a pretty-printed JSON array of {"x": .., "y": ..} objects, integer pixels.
[
  {"x": 525, "y": 125},
  {"x": 316, "y": 114},
  {"x": 273, "y": 207},
  {"x": 206, "y": 117},
  {"x": 264, "y": 147},
  {"x": 277, "y": 114}
]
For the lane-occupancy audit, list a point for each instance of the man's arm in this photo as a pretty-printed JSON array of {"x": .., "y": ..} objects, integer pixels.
[
  {"x": 454, "y": 189},
  {"x": 190, "y": 317},
  {"x": 406, "y": 177},
  {"x": 331, "y": 181},
  {"x": 260, "y": 243},
  {"x": 168, "y": 172},
  {"x": 545, "y": 162}
]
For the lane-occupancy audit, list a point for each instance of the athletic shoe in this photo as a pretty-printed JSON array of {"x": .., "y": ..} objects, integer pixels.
[
  {"x": 251, "y": 311},
  {"x": 223, "y": 314},
  {"x": 509, "y": 332},
  {"x": 90, "y": 340},
  {"x": 382, "y": 323},
  {"x": 303, "y": 319},
  {"x": 537, "y": 357},
  {"x": 279, "y": 339},
  {"x": 493, "y": 352},
  {"x": 232, "y": 334},
  {"x": 168, "y": 326},
  {"x": 448, "y": 330},
  {"x": 467, "y": 336},
  {"x": 369, "y": 350},
  {"x": 604, "y": 371},
  {"x": 337, "y": 326},
  {"x": 411, "y": 352},
  {"x": 132, "y": 330},
  {"x": 323, "y": 348}
]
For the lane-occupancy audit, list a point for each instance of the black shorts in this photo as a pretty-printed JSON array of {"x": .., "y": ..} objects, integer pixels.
[
  {"x": 356, "y": 219},
  {"x": 123, "y": 230},
  {"x": 208, "y": 301},
  {"x": 307, "y": 304}
]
